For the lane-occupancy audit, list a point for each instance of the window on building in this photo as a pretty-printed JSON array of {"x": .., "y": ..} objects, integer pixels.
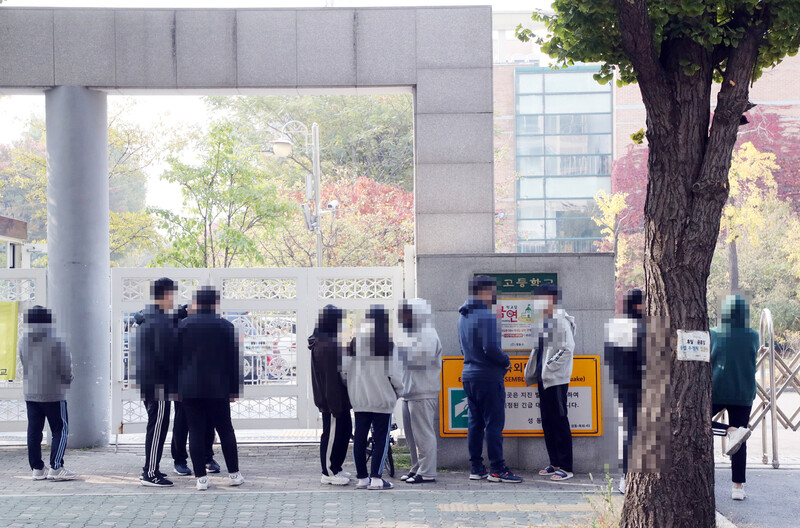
[{"x": 563, "y": 154}]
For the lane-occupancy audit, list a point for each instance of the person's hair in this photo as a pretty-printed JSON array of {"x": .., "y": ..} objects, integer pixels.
[
  {"x": 329, "y": 320},
  {"x": 548, "y": 290},
  {"x": 206, "y": 298},
  {"x": 38, "y": 315},
  {"x": 631, "y": 299},
  {"x": 161, "y": 287},
  {"x": 381, "y": 342},
  {"x": 481, "y": 283}
]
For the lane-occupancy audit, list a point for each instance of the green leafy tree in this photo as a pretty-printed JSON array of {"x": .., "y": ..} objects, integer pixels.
[
  {"x": 675, "y": 51},
  {"x": 370, "y": 136},
  {"x": 228, "y": 204},
  {"x": 131, "y": 149}
]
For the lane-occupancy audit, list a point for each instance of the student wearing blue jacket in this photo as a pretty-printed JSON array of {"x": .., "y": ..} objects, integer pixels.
[{"x": 485, "y": 366}]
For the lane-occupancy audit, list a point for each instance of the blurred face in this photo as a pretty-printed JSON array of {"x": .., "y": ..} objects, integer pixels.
[
  {"x": 487, "y": 296},
  {"x": 406, "y": 317},
  {"x": 549, "y": 304},
  {"x": 167, "y": 302}
]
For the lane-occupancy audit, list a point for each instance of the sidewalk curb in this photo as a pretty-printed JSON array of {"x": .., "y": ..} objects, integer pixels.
[{"x": 723, "y": 522}]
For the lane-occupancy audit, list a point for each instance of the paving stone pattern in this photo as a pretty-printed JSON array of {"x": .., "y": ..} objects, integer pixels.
[{"x": 282, "y": 489}]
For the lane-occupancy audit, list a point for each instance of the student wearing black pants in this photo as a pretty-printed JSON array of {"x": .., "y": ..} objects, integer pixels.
[
  {"x": 379, "y": 423},
  {"x": 374, "y": 382},
  {"x": 550, "y": 367},
  {"x": 738, "y": 418},
  {"x": 56, "y": 415},
  {"x": 210, "y": 377},
  {"x": 734, "y": 348},
  {"x": 625, "y": 355},
  {"x": 180, "y": 435},
  {"x": 330, "y": 395},
  {"x": 214, "y": 413}
]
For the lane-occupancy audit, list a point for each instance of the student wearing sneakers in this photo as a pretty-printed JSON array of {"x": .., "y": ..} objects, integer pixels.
[
  {"x": 734, "y": 348},
  {"x": 330, "y": 395},
  {"x": 625, "y": 354},
  {"x": 210, "y": 376},
  {"x": 550, "y": 368},
  {"x": 485, "y": 367},
  {"x": 421, "y": 356},
  {"x": 155, "y": 346},
  {"x": 47, "y": 374},
  {"x": 374, "y": 382}
]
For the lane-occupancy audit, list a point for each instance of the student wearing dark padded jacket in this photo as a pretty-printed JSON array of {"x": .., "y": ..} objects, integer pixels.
[
  {"x": 625, "y": 354},
  {"x": 47, "y": 374},
  {"x": 734, "y": 348},
  {"x": 210, "y": 377},
  {"x": 485, "y": 367},
  {"x": 330, "y": 395}
]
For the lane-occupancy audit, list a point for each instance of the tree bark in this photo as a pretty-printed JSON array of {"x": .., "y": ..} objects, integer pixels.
[
  {"x": 733, "y": 267},
  {"x": 687, "y": 187}
]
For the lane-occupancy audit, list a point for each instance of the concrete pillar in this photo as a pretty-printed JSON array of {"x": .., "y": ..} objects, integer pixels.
[{"x": 78, "y": 256}]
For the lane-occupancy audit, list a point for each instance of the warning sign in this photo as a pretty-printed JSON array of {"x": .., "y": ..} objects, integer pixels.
[{"x": 522, "y": 403}]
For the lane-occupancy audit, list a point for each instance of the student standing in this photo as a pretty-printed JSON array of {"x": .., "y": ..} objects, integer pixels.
[
  {"x": 47, "y": 374},
  {"x": 330, "y": 395},
  {"x": 734, "y": 347},
  {"x": 550, "y": 367},
  {"x": 155, "y": 347},
  {"x": 210, "y": 377},
  {"x": 485, "y": 367},
  {"x": 374, "y": 382},
  {"x": 421, "y": 356},
  {"x": 625, "y": 353}
]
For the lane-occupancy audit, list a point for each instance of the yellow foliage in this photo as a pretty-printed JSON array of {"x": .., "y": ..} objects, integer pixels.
[{"x": 751, "y": 184}]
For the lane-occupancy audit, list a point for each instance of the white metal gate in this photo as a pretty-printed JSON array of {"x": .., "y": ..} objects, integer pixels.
[
  {"x": 29, "y": 288},
  {"x": 275, "y": 311}
]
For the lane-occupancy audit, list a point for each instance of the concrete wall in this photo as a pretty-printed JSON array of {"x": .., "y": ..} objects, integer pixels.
[{"x": 587, "y": 283}]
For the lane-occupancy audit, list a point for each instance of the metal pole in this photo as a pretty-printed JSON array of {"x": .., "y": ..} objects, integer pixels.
[
  {"x": 773, "y": 408},
  {"x": 317, "y": 212}
]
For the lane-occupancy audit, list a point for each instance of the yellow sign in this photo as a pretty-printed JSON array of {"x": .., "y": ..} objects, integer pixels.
[
  {"x": 8, "y": 340},
  {"x": 522, "y": 403}
]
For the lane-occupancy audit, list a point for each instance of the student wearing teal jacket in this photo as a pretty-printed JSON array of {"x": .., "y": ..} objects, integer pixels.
[{"x": 734, "y": 347}]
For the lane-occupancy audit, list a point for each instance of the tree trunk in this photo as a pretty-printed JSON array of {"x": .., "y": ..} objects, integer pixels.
[{"x": 733, "y": 267}]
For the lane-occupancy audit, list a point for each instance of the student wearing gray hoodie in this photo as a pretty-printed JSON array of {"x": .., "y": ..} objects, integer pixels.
[
  {"x": 374, "y": 382},
  {"x": 550, "y": 367},
  {"x": 47, "y": 374},
  {"x": 421, "y": 356}
]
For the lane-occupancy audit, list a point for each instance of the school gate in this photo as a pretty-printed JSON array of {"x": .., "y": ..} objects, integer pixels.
[{"x": 274, "y": 312}]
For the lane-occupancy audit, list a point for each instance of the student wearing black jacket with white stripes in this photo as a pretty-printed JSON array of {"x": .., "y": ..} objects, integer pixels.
[
  {"x": 155, "y": 342},
  {"x": 330, "y": 395}
]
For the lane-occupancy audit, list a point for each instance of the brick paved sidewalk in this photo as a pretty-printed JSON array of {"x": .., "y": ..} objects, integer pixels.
[{"x": 282, "y": 489}]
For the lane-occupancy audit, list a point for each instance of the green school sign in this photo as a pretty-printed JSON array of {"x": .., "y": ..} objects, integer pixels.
[{"x": 520, "y": 282}]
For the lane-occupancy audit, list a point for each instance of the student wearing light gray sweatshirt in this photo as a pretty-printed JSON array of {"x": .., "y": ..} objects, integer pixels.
[
  {"x": 374, "y": 382},
  {"x": 420, "y": 353},
  {"x": 47, "y": 374}
]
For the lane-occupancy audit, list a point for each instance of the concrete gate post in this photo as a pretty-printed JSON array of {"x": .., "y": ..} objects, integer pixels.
[{"x": 78, "y": 251}]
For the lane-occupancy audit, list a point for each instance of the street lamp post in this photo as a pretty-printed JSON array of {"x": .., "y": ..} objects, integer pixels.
[{"x": 282, "y": 148}]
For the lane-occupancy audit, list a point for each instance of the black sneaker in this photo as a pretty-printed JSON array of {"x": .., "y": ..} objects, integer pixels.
[
  {"x": 158, "y": 481},
  {"x": 478, "y": 474},
  {"x": 158, "y": 474},
  {"x": 182, "y": 470},
  {"x": 419, "y": 479},
  {"x": 212, "y": 466},
  {"x": 504, "y": 476}
]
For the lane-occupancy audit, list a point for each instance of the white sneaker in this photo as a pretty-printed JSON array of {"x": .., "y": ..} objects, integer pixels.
[
  {"x": 738, "y": 494},
  {"x": 40, "y": 474},
  {"x": 621, "y": 486},
  {"x": 236, "y": 479},
  {"x": 202, "y": 484},
  {"x": 362, "y": 483},
  {"x": 61, "y": 473},
  {"x": 736, "y": 439},
  {"x": 345, "y": 474},
  {"x": 335, "y": 480}
]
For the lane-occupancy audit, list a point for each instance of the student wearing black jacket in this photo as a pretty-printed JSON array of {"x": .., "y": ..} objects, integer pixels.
[
  {"x": 155, "y": 342},
  {"x": 625, "y": 353},
  {"x": 209, "y": 378},
  {"x": 330, "y": 395}
]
